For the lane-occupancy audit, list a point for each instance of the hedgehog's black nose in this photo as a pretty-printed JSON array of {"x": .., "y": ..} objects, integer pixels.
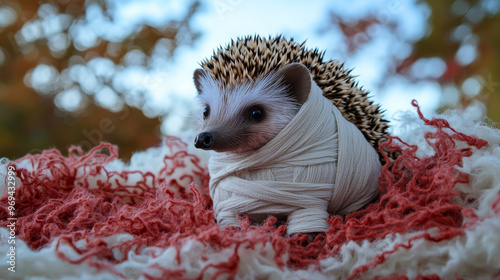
[{"x": 204, "y": 140}]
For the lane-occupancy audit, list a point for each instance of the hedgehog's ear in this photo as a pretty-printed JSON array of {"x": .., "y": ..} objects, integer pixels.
[
  {"x": 198, "y": 74},
  {"x": 297, "y": 77}
]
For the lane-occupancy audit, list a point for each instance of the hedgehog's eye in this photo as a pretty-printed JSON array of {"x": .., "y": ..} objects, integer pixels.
[
  {"x": 256, "y": 113},
  {"x": 206, "y": 112}
]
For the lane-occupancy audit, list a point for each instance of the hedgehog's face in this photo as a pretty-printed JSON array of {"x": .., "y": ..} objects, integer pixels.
[{"x": 246, "y": 116}]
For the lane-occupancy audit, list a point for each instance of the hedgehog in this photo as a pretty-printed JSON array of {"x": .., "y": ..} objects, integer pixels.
[
  {"x": 246, "y": 59},
  {"x": 292, "y": 136}
]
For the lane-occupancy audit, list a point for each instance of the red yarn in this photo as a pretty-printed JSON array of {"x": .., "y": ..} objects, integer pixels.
[{"x": 58, "y": 201}]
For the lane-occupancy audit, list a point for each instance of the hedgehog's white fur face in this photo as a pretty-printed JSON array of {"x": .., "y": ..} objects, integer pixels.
[{"x": 245, "y": 116}]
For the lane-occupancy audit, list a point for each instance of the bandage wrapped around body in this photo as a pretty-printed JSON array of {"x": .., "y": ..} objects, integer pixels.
[{"x": 319, "y": 164}]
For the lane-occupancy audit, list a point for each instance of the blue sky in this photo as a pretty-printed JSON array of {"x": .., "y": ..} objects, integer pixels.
[{"x": 222, "y": 20}]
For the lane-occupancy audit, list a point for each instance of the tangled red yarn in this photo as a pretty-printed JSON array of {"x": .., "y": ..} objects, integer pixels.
[{"x": 58, "y": 202}]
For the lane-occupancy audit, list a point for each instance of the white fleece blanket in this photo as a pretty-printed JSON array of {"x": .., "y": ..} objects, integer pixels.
[{"x": 475, "y": 254}]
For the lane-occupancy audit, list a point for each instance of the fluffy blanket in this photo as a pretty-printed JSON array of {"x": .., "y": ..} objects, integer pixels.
[{"x": 91, "y": 216}]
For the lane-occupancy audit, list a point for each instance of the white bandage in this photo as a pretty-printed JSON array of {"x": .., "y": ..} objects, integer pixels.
[{"x": 319, "y": 164}]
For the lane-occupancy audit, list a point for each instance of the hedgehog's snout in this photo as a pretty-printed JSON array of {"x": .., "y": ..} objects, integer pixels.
[{"x": 204, "y": 140}]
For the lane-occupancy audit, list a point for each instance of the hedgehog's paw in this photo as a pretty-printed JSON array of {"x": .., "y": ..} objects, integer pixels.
[
  {"x": 307, "y": 220},
  {"x": 227, "y": 219}
]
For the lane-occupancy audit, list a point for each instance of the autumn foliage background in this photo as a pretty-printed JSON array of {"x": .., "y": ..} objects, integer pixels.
[{"x": 62, "y": 85}]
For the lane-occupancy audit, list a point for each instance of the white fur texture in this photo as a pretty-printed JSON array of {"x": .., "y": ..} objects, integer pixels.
[{"x": 228, "y": 117}]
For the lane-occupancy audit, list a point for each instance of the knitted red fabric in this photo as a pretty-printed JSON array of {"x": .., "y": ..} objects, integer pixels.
[{"x": 58, "y": 201}]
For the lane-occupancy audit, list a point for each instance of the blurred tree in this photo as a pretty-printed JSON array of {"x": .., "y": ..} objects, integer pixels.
[
  {"x": 463, "y": 35},
  {"x": 460, "y": 49},
  {"x": 77, "y": 71},
  {"x": 65, "y": 72}
]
